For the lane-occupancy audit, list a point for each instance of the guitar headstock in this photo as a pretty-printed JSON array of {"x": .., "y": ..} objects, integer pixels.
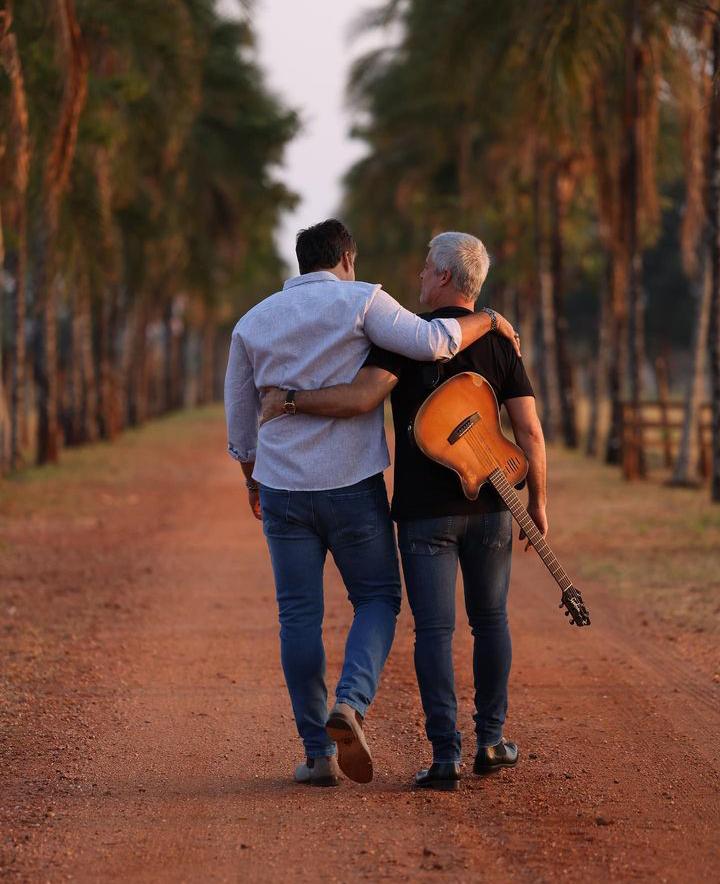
[{"x": 574, "y": 606}]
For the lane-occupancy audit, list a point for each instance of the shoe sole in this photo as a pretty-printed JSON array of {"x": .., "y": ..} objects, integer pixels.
[
  {"x": 354, "y": 758},
  {"x": 439, "y": 785},
  {"x": 494, "y": 768}
]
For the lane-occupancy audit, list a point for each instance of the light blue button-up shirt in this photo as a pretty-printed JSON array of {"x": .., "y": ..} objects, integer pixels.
[{"x": 315, "y": 333}]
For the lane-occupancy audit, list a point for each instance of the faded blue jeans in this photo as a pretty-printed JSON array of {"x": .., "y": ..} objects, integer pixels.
[
  {"x": 354, "y": 524},
  {"x": 431, "y": 550}
]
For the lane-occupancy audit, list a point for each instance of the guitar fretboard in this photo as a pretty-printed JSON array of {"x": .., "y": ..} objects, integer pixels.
[{"x": 522, "y": 517}]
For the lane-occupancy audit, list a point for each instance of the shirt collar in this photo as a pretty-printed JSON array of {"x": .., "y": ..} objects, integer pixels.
[
  {"x": 450, "y": 311},
  {"x": 317, "y": 276}
]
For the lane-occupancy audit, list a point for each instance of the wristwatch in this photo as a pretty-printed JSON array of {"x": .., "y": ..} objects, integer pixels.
[
  {"x": 493, "y": 317},
  {"x": 289, "y": 406}
]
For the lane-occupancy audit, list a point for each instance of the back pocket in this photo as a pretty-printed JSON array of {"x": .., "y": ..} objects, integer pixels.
[{"x": 357, "y": 516}]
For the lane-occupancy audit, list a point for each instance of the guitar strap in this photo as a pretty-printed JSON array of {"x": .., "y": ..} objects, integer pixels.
[{"x": 432, "y": 374}]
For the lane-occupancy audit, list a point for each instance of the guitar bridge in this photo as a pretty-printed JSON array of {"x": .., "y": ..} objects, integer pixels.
[{"x": 463, "y": 427}]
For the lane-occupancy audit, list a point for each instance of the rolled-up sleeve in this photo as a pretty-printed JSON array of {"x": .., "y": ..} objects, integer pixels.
[
  {"x": 392, "y": 327},
  {"x": 242, "y": 403}
]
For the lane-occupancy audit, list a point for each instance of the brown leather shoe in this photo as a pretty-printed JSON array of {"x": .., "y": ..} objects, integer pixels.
[
  {"x": 318, "y": 772},
  {"x": 344, "y": 727}
]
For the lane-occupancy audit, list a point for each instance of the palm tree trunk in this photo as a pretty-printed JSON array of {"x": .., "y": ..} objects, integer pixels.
[
  {"x": 18, "y": 127},
  {"x": 137, "y": 369},
  {"x": 207, "y": 362},
  {"x": 636, "y": 307},
  {"x": 73, "y": 417},
  {"x": 57, "y": 172},
  {"x": 4, "y": 435},
  {"x": 618, "y": 360},
  {"x": 168, "y": 359},
  {"x": 83, "y": 419},
  {"x": 90, "y": 421},
  {"x": 714, "y": 224},
  {"x": 562, "y": 365},
  {"x": 46, "y": 346},
  {"x": 109, "y": 313},
  {"x": 686, "y": 463},
  {"x": 548, "y": 356},
  {"x": 106, "y": 406},
  {"x": 17, "y": 391},
  {"x": 602, "y": 359}
]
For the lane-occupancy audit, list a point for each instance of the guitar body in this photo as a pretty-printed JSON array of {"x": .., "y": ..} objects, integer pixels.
[
  {"x": 467, "y": 398},
  {"x": 458, "y": 426}
]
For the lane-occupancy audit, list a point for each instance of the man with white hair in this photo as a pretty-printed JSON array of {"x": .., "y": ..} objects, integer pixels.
[{"x": 438, "y": 527}]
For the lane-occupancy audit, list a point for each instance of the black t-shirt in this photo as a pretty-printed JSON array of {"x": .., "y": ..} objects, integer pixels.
[{"x": 423, "y": 488}]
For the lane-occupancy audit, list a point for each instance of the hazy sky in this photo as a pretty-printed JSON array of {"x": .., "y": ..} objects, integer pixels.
[{"x": 305, "y": 51}]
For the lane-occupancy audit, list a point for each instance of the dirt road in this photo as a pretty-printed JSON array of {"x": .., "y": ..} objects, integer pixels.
[{"x": 146, "y": 733}]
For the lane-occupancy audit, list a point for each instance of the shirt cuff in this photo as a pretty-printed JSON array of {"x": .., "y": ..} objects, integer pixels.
[
  {"x": 246, "y": 455},
  {"x": 452, "y": 327}
]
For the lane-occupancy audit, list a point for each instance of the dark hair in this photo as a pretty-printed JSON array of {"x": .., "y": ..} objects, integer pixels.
[{"x": 321, "y": 246}]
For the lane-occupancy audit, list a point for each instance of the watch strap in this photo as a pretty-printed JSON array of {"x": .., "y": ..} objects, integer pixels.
[
  {"x": 493, "y": 317},
  {"x": 289, "y": 407}
]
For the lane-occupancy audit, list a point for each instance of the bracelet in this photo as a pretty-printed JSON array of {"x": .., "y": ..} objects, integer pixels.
[
  {"x": 493, "y": 317},
  {"x": 251, "y": 485}
]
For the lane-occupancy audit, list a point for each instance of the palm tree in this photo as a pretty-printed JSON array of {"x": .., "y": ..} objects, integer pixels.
[
  {"x": 55, "y": 181},
  {"x": 693, "y": 100},
  {"x": 19, "y": 147},
  {"x": 714, "y": 224},
  {"x": 150, "y": 192}
]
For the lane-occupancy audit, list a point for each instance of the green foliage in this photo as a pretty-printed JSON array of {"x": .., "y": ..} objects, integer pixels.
[
  {"x": 458, "y": 114},
  {"x": 177, "y": 102}
]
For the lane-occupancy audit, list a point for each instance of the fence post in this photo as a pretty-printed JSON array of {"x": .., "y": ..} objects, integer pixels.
[{"x": 630, "y": 459}]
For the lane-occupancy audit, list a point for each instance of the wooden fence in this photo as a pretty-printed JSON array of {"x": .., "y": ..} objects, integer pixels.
[{"x": 651, "y": 435}]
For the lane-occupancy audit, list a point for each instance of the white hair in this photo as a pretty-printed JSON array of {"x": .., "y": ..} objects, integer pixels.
[{"x": 465, "y": 257}]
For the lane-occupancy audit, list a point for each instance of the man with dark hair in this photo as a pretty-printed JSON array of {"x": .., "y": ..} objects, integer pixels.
[
  {"x": 438, "y": 527},
  {"x": 317, "y": 483},
  {"x": 321, "y": 246}
]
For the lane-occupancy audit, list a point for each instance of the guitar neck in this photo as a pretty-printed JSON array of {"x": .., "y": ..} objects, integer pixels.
[{"x": 522, "y": 517}]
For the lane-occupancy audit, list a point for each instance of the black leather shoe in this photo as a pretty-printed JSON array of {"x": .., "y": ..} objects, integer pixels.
[
  {"x": 504, "y": 754},
  {"x": 444, "y": 777}
]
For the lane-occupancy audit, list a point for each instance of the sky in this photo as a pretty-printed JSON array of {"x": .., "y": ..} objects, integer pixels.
[{"x": 305, "y": 50}]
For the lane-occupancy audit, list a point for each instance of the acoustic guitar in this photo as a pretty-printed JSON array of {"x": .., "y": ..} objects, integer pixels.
[{"x": 458, "y": 426}]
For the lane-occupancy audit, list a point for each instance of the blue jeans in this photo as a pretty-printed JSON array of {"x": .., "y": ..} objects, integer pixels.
[
  {"x": 354, "y": 524},
  {"x": 430, "y": 550}
]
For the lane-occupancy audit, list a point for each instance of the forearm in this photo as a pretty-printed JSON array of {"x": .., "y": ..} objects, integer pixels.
[
  {"x": 533, "y": 444},
  {"x": 473, "y": 327},
  {"x": 247, "y": 467},
  {"x": 342, "y": 400},
  {"x": 369, "y": 388}
]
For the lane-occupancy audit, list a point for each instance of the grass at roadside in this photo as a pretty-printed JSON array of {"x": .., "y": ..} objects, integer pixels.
[
  {"x": 645, "y": 540},
  {"x": 104, "y": 466}
]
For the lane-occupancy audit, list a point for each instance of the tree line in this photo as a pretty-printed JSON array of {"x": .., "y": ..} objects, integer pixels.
[
  {"x": 557, "y": 130},
  {"x": 137, "y": 209}
]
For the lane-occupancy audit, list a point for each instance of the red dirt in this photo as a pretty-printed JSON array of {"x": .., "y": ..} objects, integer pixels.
[{"x": 146, "y": 733}]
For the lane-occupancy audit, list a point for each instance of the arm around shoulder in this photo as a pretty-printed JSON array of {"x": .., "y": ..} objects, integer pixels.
[{"x": 369, "y": 388}]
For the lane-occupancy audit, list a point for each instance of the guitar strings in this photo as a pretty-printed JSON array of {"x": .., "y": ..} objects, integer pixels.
[
  {"x": 482, "y": 450},
  {"x": 546, "y": 553}
]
